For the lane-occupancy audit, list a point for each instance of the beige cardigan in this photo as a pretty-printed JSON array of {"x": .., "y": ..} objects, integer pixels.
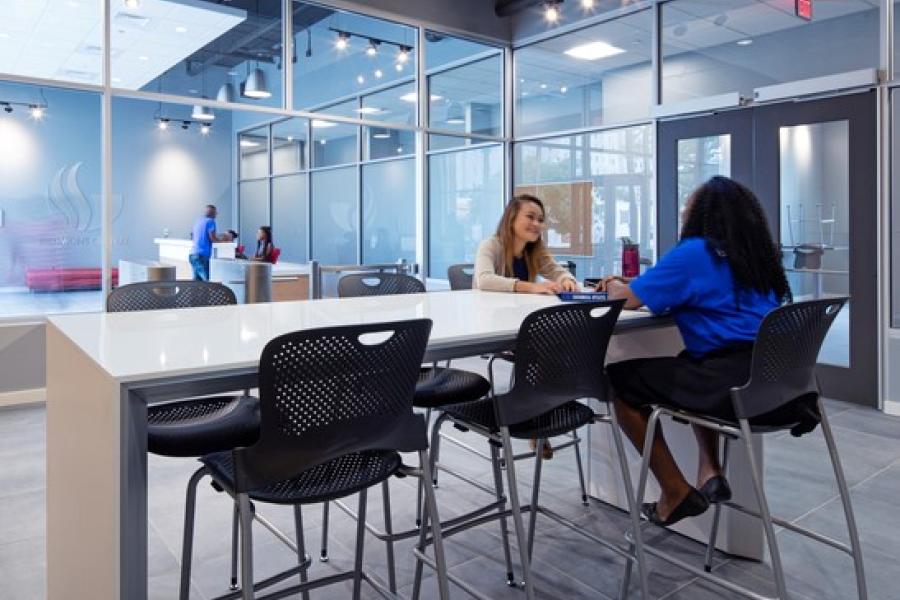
[{"x": 489, "y": 266}]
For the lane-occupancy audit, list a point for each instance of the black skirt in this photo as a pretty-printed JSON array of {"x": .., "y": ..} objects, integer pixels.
[{"x": 703, "y": 385}]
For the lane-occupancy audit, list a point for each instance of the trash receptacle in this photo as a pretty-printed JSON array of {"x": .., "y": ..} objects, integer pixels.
[
  {"x": 257, "y": 282},
  {"x": 160, "y": 272}
]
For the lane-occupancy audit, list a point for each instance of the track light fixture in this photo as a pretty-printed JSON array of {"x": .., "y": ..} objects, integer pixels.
[
  {"x": 372, "y": 50},
  {"x": 36, "y": 111},
  {"x": 551, "y": 10},
  {"x": 403, "y": 54},
  {"x": 162, "y": 123},
  {"x": 342, "y": 41}
]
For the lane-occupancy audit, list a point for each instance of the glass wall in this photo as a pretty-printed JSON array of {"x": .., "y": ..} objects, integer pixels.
[
  {"x": 335, "y": 216},
  {"x": 598, "y": 189},
  {"x": 389, "y": 211},
  {"x": 716, "y": 46},
  {"x": 50, "y": 221},
  {"x": 596, "y": 76},
  {"x": 465, "y": 202}
]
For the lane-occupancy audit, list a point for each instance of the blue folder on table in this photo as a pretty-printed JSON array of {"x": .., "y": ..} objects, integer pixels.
[{"x": 582, "y": 296}]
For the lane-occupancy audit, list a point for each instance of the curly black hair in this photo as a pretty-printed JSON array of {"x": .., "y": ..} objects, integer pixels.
[{"x": 728, "y": 215}]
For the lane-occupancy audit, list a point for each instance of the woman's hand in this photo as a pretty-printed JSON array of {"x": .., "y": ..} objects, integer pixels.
[
  {"x": 569, "y": 285},
  {"x": 543, "y": 287}
]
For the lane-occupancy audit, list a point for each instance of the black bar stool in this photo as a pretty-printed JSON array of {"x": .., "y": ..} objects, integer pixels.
[
  {"x": 436, "y": 387},
  {"x": 196, "y": 426},
  {"x": 559, "y": 357},
  {"x": 782, "y": 375},
  {"x": 336, "y": 407}
]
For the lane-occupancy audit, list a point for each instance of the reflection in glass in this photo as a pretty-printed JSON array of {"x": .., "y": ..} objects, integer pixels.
[
  {"x": 335, "y": 216},
  {"x": 815, "y": 221},
  {"x": 698, "y": 160},
  {"x": 471, "y": 97},
  {"x": 225, "y": 51},
  {"x": 465, "y": 202},
  {"x": 50, "y": 202},
  {"x": 289, "y": 145},
  {"x": 333, "y": 143},
  {"x": 724, "y": 46},
  {"x": 342, "y": 57},
  {"x": 594, "y": 76},
  {"x": 597, "y": 189},
  {"x": 254, "y": 211},
  {"x": 289, "y": 210},
  {"x": 389, "y": 211},
  {"x": 381, "y": 142},
  {"x": 254, "y": 148}
]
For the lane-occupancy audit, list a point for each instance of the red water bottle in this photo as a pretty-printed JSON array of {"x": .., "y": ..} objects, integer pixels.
[{"x": 631, "y": 258}]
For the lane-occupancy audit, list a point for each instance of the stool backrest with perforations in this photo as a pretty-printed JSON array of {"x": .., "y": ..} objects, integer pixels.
[
  {"x": 560, "y": 352},
  {"x": 461, "y": 276},
  {"x": 160, "y": 295},
  {"x": 378, "y": 284},
  {"x": 325, "y": 393},
  {"x": 783, "y": 366}
]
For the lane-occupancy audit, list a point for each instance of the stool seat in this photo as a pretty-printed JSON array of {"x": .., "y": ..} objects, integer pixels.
[
  {"x": 560, "y": 420},
  {"x": 439, "y": 386},
  {"x": 334, "y": 479},
  {"x": 202, "y": 426}
]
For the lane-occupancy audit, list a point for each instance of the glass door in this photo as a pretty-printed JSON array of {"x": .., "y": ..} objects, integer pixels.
[
  {"x": 813, "y": 166},
  {"x": 815, "y": 169}
]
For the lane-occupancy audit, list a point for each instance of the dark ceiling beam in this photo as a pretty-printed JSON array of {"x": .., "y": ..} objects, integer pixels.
[{"x": 507, "y": 8}]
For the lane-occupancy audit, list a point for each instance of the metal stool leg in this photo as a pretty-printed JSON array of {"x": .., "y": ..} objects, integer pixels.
[
  {"x": 246, "y": 547},
  {"x": 714, "y": 532},
  {"x": 323, "y": 554},
  {"x": 419, "y": 486},
  {"x": 764, "y": 514},
  {"x": 845, "y": 501},
  {"x": 360, "y": 540},
  {"x": 535, "y": 491},
  {"x": 578, "y": 463},
  {"x": 187, "y": 545},
  {"x": 235, "y": 549},
  {"x": 389, "y": 532},
  {"x": 517, "y": 512},
  {"x": 301, "y": 546},
  {"x": 637, "y": 543},
  {"x": 504, "y": 530},
  {"x": 440, "y": 559}
]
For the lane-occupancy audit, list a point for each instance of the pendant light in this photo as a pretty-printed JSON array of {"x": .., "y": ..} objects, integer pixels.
[
  {"x": 256, "y": 86},
  {"x": 202, "y": 113},
  {"x": 455, "y": 114}
]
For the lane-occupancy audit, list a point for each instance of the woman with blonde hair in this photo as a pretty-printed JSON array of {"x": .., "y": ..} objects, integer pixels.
[{"x": 511, "y": 260}]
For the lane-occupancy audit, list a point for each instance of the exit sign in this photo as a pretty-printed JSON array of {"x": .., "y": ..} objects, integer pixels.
[{"x": 803, "y": 9}]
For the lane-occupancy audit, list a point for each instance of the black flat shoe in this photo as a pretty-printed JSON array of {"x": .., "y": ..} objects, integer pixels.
[
  {"x": 716, "y": 489},
  {"x": 693, "y": 504}
]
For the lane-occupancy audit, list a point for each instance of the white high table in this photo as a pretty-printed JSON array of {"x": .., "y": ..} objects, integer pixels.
[{"x": 103, "y": 369}]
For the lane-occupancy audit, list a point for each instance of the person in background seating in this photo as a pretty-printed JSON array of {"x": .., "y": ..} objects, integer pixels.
[
  {"x": 718, "y": 283},
  {"x": 264, "y": 246},
  {"x": 512, "y": 259},
  {"x": 203, "y": 236}
]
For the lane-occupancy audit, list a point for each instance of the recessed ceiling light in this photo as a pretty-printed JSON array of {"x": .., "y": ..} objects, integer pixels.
[
  {"x": 551, "y": 11},
  {"x": 143, "y": 58},
  {"x": 323, "y": 141},
  {"x": 73, "y": 4},
  {"x": 290, "y": 138},
  {"x": 587, "y": 4},
  {"x": 360, "y": 79},
  {"x": 132, "y": 3},
  {"x": 746, "y": 42},
  {"x": 249, "y": 143},
  {"x": 181, "y": 29},
  {"x": 378, "y": 73},
  {"x": 412, "y": 97},
  {"x": 4, "y": 35},
  {"x": 543, "y": 86},
  {"x": 318, "y": 124},
  {"x": 399, "y": 67},
  {"x": 368, "y": 110},
  {"x": 563, "y": 89},
  {"x": 117, "y": 80},
  {"x": 594, "y": 51}
]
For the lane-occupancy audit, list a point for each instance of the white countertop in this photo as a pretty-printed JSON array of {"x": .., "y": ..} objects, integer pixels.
[
  {"x": 279, "y": 269},
  {"x": 155, "y": 344},
  {"x": 183, "y": 242}
]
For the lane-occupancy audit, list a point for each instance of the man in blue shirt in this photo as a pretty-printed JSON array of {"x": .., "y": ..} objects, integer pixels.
[{"x": 204, "y": 235}]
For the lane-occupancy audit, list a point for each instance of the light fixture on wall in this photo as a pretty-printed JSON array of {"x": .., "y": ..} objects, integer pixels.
[
  {"x": 256, "y": 86},
  {"x": 456, "y": 115},
  {"x": 551, "y": 10}
]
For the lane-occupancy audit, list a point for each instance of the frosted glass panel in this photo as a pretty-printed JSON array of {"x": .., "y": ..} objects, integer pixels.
[
  {"x": 289, "y": 210},
  {"x": 254, "y": 203},
  {"x": 815, "y": 221},
  {"x": 335, "y": 216},
  {"x": 465, "y": 202},
  {"x": 389, "y": 211},
  {"x": 254, "y": 147}
]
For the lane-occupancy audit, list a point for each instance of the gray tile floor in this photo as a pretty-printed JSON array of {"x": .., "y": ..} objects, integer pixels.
[{"x": 798, "y": 481}]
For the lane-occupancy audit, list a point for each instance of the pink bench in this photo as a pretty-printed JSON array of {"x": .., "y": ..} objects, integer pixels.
[{"x": 64, "y": 280}]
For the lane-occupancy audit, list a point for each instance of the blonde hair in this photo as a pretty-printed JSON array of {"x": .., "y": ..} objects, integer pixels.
[{"x": 534, "y": 251}]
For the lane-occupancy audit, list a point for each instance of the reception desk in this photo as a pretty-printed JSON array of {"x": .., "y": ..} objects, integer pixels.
[{"x": 173, "y": 251}]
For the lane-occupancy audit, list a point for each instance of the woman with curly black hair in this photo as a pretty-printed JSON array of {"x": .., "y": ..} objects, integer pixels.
[{"x": 718, "y": 283}]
